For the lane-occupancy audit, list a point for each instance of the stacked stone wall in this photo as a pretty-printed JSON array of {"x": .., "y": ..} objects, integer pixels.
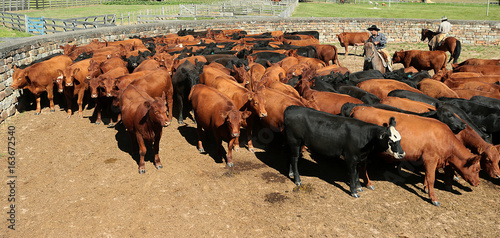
[{"x": 26, "y": 50}]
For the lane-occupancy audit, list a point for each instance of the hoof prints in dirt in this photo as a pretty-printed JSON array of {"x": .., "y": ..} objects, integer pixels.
[
  {"x": 271, "y": 177},
  {"x": 110, "y": 161},
  {"x": 242, "y": 166},
  {"x": 275, "y": 197},
  {"x": 305, "y": 188}
]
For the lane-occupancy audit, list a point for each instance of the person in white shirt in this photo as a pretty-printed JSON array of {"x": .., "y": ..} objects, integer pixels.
[{"x": 442, "y": 31}]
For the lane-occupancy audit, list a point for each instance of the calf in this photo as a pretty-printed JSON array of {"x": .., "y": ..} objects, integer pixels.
[
  {"x": 421, "y": 60},
  {"x": 75, "y": 82},
  {"x": 144, "y": 117},
  {"x": 347, "y": 39},
  {"x": 217, "y": 113},
  {"x": 336, "y": 136}
]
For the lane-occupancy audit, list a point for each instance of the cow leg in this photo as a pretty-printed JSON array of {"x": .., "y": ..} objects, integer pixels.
[
  {"x": 68, "y": 96},
  {"x": 142, "y": 153},
  {"x": 170, "y": 103},
  {"x": 354, "y": 175},
  {"x": 98, "y": 110},
  {"x": 294, "y": 149},
  {"x": 229, "y": 156},
  {"x": 81, "y": 93},
  {"x": 346, "y": 52},
  {"x": 200, "y": 145},
  {"x": 366, "y": 179},
  {"x": 430, "y": 176},
  {"x": 180, "y": 99},
  {"x": 448, "y": 179},
  {"x": 218, "y": 142},
  {"x": 156, "y": 147},
  {"x": 50, "y": 96},
  {"x": 248, "y": 131},
  {"x": 38, "y": 106},
  {"x": 236, "y": 144}
]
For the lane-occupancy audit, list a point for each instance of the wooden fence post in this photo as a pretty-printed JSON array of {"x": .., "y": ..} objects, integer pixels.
[{"x": 26, "y": 23}]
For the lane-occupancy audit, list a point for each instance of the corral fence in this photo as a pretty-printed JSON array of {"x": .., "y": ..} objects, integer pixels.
[
  {"x": 45, "y": 25},
  {"x": 18, "y": 5},
  {"x": 230, "y": 9}
]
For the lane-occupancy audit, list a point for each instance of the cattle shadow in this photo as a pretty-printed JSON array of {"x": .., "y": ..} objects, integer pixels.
[
  {"x": 26, "y": 101},
  {"x": 125, "y": 144},
  {"x": 208, "y": 140}
]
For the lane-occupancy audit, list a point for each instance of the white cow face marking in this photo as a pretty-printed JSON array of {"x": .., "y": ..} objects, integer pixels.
[
  {"x": 395, "y": 136},
  {"x": 394, "y": 146}
]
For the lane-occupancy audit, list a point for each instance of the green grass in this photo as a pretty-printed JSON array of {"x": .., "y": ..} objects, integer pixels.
[
  {"x": 7, "y": 32},
  {"x": 400, "y": 10}
]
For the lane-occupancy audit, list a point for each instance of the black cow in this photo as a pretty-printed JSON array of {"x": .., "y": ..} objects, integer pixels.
[
  {"x": 490, "y": 102},
  {"x": 360, "y": 76},
  {"x": 358, "y": 93},
  {"x": 185, "y": 77},
  {"x": 310, "y": 33},
  {"x": 334, "y": 136}
]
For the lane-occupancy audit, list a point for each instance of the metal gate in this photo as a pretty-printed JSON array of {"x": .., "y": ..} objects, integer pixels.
[{"x": 35, "y": 25}]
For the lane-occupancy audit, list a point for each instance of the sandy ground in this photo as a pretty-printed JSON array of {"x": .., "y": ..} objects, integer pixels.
[{"x": 77, "y": 179}]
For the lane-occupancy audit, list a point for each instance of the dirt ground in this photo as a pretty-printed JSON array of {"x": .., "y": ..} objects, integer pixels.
[{"x": 77, "y": 179}]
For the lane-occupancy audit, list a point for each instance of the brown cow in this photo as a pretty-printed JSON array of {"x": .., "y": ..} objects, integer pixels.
[
  {"x": 351, "y": 38},
  {"x": 327, "y": 53},
  {"x": 76, "y": 72},
  {"x": 484, "y": 69},
  {"x": 40, "y": 77},
  {"x": 421, "y": 60},
  {"x": 148, "y": 65},
  {"x": 144, "y": 117},
  {"x": 327, "y": 101},
  {"x": 435, "y": 89},
  {"x": 382, "y": 87},
  {"x": 408, "y": 104},
  {"x": 430, "y": 141},
  {"x": 215, "y": 112},
  {"x": 469, "y": 93},
  {"x": 475, "y": 61},
  {"x": 155, "y": 84}
]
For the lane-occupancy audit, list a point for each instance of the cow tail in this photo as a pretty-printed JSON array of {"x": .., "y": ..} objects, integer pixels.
[
  {"x": 445, "y": 59},
  {"x": 456, "y": 53}
]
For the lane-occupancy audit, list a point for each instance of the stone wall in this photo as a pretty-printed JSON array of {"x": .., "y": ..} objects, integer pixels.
[{"x": 26, "y": 50}]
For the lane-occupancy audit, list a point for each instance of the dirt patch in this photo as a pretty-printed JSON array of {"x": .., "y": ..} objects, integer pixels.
[{"x": 77, "y": 179}]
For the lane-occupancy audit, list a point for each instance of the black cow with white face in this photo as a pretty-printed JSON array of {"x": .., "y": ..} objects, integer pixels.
[{"x": 335, "y": 136}]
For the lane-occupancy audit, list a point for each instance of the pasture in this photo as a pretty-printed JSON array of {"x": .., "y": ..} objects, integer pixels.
[{"x": 77, "y": 179}]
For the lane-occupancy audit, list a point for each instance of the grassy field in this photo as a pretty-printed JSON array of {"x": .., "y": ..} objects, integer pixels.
[{"x": 401, "y": 10}]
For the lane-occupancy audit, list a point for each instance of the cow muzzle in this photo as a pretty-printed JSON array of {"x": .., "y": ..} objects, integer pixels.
[
  {"x": 60, "y": 90},
  {"x": 235, "y": 134},
  {"x": 262, "y": 115},
  {"x": 93, "y": 96},
  {"x": 69, "y": 84}
]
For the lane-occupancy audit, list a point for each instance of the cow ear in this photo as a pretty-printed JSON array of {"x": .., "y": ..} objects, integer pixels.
[
  {"x": 392, "y": 122},
  {"x": 250, "y": 95},
  {"x": 246, "y": 114},
  {"x": 224, "y": 114},
  {"x": 76, "y": 70}
]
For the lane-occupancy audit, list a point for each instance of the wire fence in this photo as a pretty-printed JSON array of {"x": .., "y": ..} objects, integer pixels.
[{"x": 18, "y": 5}]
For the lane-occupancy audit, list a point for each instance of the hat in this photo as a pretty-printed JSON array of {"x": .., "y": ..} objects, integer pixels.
[
  {"x": 444, "y": 18},
  {"x": 373, "y": 28}
]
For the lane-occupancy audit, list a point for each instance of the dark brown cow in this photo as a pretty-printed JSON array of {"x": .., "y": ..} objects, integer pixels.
[
  {"x": 351, "y": 38},
  {"x": 327, "y": 53},
  {"x": 475, "y": 61},
  {"x": 40, "y": 77},
  {"x": 144, "y": 117},
  {"x": 430, "y": 141},
  {"x": 421, "y": 60},
  {"x": 215, "y": 112}
]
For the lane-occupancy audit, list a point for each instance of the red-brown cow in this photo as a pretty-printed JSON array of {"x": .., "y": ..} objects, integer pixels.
[
  {"x": 327, "y": 53},
  {"x": 430, "y": 141},
  {"x": 76, "y": 72},
  {"x": 436, "y": 89},
  {"x": 408, "y": 104},
  {"x": 144, "y": 117},
  {"x": 382, "y": 87},
  {"x": 148, "y": 65},
  {"x": 347, "y": 39},
  {"x": 475, "y": 61},
  {"x": 215, "y": 112},
  {"x": 40, "y": 77},
  {"x": 327, "y": 101},
  {"x": 484, "y": 69},
  {"x": 421, "y": 60}
]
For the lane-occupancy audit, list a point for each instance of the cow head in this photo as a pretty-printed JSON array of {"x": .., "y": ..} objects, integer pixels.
[
  {"x": 157, "y": 110},
  {"x": 489, "y": 161},
  {"x": 258, "y": 103},
  {"x": 392, "y": 140},
  {"x": 470, "y": 170},
  {"x": 241, "y": 74},
  {"x": 94, "y": 84},
  {"x": 20, "y": 78},
  {"x": 398, "y": 56},
  {"x": 60, "y": 80},
  {"x": 233, "y": 119},
  {"x": 448, "y": 117}
]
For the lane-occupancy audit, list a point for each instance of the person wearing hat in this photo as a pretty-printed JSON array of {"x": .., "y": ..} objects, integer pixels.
[
  {"x": 441, "y": 33},
  {"x": 379, "y": 40}
]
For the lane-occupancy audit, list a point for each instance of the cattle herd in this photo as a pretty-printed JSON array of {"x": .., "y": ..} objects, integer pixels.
[{"x": 292, "y": 85}]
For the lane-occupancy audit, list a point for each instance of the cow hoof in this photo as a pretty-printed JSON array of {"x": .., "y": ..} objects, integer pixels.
[
  {"x": 159, "y": 167},
  {"x": 290, "y": 175},
  {"x": 251, "y": 150},
  {"x": 448, "y": 188},
  {"x": 456, "y": 178},
  {"x": 142, "y": 171},
  {"x": 52, "y": 110},
  {"x": 181, "y": 122},
  {"x": 37, "y": 113},
  {"x": 97, "y": 122},
  {"x": 436, "y": 203},
  {"x": 360, "y": 189},
  {"x": 68, "y": 117},
  {"x": 355, "y": 195},
  {"x": 166, "y": 124},
  {"x": 201, "y": 150},
  {"x": 111, "y": 124},
  {"x": 298, "y": 183},
  {"x": 371, "y": 187},
  {"x": 230, "y": 165},
  {"x": 236, "y": 149}
]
